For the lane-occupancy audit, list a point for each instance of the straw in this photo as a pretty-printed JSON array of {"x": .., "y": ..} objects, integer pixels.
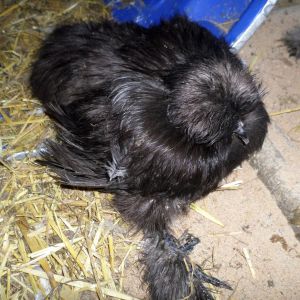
[
  {"x": 206, "y": 214},
  {"x": 285, "y": 111},
  {"x": 249, "y": 262},
  {"x": 43, "y": 241}
]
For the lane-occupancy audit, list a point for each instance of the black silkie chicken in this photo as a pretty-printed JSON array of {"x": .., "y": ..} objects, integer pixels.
[{"x": 156, "y": 116}]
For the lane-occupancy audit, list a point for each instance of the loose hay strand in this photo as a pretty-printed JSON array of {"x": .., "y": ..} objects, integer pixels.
[
  {"x": 34, "y": 245},
  {"x": 249, "y": 262},
  {"x": 78, "y": 284},
  {"x": 94, "y": 267},
  {"x": 111, "y": 252},
  {"x": 66, "y": 241},
  {"x": 25, "y": 258},
  {"x": 234, "y": 185},
  {"x": 4, "y": 259},
  {"x": 205, "y": 214},
  {"x": 285, "y": 111}
]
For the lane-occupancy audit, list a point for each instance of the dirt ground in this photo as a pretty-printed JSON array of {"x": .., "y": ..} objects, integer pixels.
[
  {"x": 252, "y": 220},
  {"x": 278, "y": 72}
]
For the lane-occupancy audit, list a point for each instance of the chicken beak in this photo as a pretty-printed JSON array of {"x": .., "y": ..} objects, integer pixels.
[
  {"x": 241, "y": 134},
  {"x": 243, "y": 138}
]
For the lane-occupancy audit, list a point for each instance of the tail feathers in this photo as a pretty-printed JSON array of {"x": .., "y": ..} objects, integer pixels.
[
  {"x": 59, "y": 114},
  {"x": 72, "y": 167},
  {"x": 169, "y": 272}
]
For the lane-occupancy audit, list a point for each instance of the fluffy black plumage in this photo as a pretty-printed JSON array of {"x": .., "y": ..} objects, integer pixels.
[
  {"x": 292, "y": 42},
  {"x": 156, "y": 116}
]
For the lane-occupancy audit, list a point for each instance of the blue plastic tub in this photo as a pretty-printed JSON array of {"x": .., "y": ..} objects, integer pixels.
[{"x": 236, "y": 20}]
